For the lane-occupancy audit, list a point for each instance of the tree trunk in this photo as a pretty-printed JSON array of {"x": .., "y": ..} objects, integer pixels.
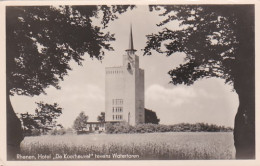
[
  {"x": 14, "y": 131},
  {"x": 244, "y": 131},
  {"x": 244, "y": 84}
]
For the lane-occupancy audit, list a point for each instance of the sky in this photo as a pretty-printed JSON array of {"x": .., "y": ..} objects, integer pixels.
[{"x": 207, "y": 100}]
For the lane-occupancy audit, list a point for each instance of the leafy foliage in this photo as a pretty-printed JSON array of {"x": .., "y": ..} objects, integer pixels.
[
  {"x": 29, "y": 123},
  {"x": 80, "y": 122},
  {"x": 207, "y": 34},
  {"x": 122, "y": 127},
  {"x": 151, "y": 117},
  {"x": 151, "y": 128},
  {"x": 43, "y": 120},
  {"x": 101, "y": 117},
  {"x": 46, "y": 115},
  {"x": 42, "y": 40}
]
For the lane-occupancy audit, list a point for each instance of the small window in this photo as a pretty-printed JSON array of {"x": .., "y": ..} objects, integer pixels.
[{"x": 113, "y": 117}]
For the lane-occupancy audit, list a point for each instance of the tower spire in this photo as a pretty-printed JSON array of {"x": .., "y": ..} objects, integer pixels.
[
  {"x": 131, "y": 49},
  {"x": 131, "y": 43}
]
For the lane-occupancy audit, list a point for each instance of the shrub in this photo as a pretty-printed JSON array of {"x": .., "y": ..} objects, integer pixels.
[
  {"x": 57, "y": 132},
  {"x": 35, "y": 132},
  {"x": 151, "y": 128}
]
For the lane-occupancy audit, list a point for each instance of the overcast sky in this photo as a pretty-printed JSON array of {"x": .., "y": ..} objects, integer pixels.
[{"x": 208, "y": 100}]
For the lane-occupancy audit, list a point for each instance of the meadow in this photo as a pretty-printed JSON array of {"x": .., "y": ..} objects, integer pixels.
[{"x": 167, "y": 146}]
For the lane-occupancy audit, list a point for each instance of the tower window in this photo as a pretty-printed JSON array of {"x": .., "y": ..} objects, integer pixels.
[
  {"x": 117, "y": 101},
  {"x": 128, "y": 66}
]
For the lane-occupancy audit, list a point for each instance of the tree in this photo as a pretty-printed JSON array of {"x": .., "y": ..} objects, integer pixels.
[
  {"x": 44, "y": 118},
  {"x": 151, "y": 117},
  {"x": 218, "y": 41},
  {"x": 46, "y": 115},
  {"x": 28, "y": 124},
  {"x": 101, "y": 117},
  {"x": 40, "y": 43},
  {"x": 80, "y": 122}
]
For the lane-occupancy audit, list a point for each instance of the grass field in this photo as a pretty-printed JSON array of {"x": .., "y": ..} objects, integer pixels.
[{"x": 174, "y": 145}]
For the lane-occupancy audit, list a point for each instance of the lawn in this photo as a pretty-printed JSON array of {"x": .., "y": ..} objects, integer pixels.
[{"x": 172, "y": 145}]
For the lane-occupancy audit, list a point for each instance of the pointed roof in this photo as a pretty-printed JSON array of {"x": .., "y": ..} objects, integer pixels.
[{"x": 131, "y": 43}]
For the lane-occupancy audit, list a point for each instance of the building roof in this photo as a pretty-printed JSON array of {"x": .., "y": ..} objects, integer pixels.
[{"x": 131, "y": 42}]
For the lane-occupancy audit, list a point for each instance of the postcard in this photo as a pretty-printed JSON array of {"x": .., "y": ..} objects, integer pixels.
[{"x": 112, "y": 82}]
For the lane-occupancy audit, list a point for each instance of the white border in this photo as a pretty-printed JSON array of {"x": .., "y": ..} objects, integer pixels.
[{"x": 108, "y": 163}]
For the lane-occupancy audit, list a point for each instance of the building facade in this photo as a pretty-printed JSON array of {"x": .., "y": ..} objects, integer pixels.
[{"x": 124, "y": 89}]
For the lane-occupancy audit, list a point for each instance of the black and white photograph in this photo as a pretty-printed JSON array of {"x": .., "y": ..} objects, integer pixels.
[{"x": 135, "y": 82}]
